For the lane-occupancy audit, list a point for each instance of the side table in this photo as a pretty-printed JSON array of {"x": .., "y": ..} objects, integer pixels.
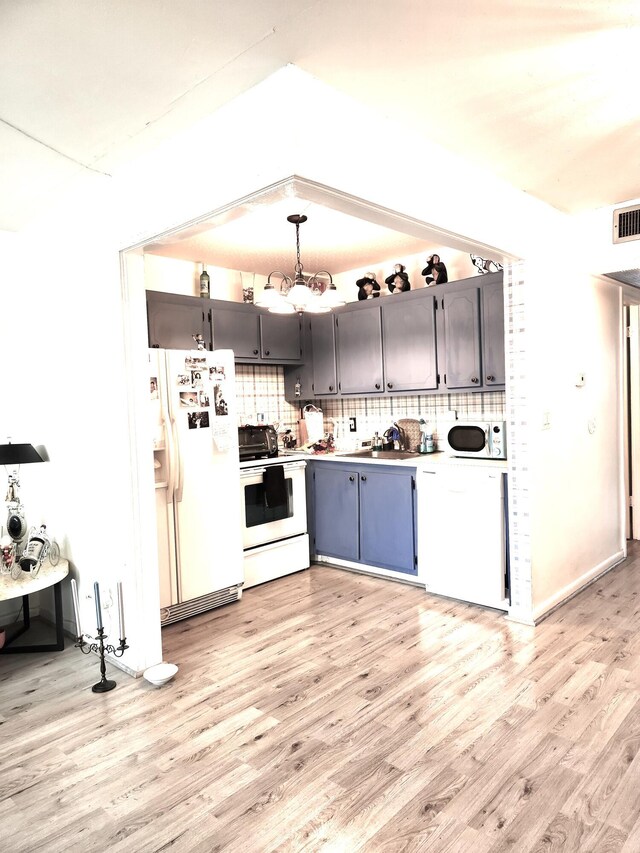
[{"x": 26, "y": 585}]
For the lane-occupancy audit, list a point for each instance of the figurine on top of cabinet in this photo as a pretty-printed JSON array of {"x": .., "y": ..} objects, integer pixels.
[
  {"x": 398, "y": 270},
  {"x": 368, "y": 287},
  {"x": 399, "y": 283},
  {"x": 483, "y": 265},
  {"x": 435, "y": 271}
]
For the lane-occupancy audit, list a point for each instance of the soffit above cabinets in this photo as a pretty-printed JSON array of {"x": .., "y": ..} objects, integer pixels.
[{"x": 341, "y": 233}]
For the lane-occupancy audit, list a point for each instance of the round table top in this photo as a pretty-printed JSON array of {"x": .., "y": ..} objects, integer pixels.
[{"x": 26, "y": 584}]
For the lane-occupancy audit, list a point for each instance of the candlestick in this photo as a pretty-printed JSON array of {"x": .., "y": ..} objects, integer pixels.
[
  {"x": 100, "y": 646},
  {"x": 120, "y": 609},
  {"x": 76, "y": 606},
  {"x": 96, "y": 595}
]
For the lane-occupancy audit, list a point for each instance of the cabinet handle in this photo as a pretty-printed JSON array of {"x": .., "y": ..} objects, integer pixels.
[
  {"x": 389, "y": 384},
  {"x": 351, "y": 478},
  {"x": 377, "y": 386},
  {"x": 491, "y": 378},
  {"x": 330, "y": 387},
  {"x": 255, "y": 352},
  {"x": 363, "y": 479},
  {"x": 474, "y": 379},
  {"x": 266, "y": 352}
]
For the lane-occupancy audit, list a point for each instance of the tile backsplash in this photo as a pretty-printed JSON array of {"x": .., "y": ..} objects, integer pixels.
[
  {"x": 260, "y": 389},
  {"x": 377, "y": 414}
]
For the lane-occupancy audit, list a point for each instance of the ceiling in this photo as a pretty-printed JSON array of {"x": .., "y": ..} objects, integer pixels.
[{"x": 542, "y": 93}]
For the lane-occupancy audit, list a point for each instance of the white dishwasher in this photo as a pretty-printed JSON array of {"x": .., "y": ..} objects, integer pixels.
[{"x": 461, "y": 533}]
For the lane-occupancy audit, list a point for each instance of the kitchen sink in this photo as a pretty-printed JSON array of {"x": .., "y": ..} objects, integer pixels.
[{"x": 381, "y": 454}]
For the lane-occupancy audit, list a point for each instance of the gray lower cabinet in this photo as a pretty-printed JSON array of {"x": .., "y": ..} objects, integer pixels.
[
  {"x": 336, "y": 522},
  {"x": 176, "y": 322},
  {"x": 364, "y": 514},
  {"x": 409, "y": 344},
  {"x": 359, "y": 347}
]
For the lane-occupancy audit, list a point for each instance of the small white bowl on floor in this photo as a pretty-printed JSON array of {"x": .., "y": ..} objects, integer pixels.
[{"x": 160, "y": 673}]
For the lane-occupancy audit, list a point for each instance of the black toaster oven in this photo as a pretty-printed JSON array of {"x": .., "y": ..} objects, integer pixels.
[{"x": 257, "y": 441}]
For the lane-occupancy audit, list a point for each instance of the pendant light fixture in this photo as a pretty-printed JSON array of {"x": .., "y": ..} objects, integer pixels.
[{"x": 300, "y": 294}]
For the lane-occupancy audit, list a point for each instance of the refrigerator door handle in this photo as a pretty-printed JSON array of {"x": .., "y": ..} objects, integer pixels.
[
  {"x": 179, "y": 466},
  {"x": 170, "y": 444}
]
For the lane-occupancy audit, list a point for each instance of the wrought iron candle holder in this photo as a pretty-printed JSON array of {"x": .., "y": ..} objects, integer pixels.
[{"x": 105, "y": 684}]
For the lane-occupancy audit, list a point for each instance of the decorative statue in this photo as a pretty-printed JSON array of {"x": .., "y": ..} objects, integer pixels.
[
  {"x": 368, "y": 287},
  {"x": 435, "y": 271},
  {"x": 399, "y": 283},
  {"x": 390, "y": 280},
  {"x": 485, "y": 265}
]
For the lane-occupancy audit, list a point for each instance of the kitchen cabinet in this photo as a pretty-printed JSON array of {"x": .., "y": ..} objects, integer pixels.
[
  {"x": 364, "y": 514},
  {"x": 175, "y": 321},
  {"x": 387, "y": 530},
  {"x": 493, "y": 368},
  {"x": 471, "y": 352},
  {"x": 409, "y": 343},
  {"x": 255, "y": 336},
  {"x": 336, "y": 522},
  {"x": 323, "y": 353},
  {"x": 461, "y": 338},
  {"x": 359, "y": 348}
]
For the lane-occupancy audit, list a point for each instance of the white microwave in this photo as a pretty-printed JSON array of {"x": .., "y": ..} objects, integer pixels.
[{"x": 486, "y": 440}]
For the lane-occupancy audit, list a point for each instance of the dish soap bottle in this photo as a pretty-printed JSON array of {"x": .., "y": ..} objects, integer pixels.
[{"x": 377, "y": 442}]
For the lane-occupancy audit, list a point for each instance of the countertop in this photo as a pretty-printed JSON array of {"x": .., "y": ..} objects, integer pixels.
[{"x": 419, "y": 461}]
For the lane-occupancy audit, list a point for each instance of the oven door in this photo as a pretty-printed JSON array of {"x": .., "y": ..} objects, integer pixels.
[{"x": 262, "y": 523}]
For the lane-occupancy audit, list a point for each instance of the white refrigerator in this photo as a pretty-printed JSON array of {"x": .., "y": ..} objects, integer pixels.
[{"x": 197, "y": 480}]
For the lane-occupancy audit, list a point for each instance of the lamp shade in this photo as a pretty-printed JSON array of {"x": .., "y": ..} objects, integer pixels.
[{"x": 20, "y": 454}]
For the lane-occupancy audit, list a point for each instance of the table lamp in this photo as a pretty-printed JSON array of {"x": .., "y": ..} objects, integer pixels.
[{"x": 16, "y": 455}]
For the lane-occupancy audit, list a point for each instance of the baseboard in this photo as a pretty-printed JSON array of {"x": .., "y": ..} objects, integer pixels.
[{"x": 541, "y": 611}]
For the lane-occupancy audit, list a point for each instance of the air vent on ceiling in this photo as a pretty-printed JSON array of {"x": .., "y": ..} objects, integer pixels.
[{"x": 626, "y": 224}]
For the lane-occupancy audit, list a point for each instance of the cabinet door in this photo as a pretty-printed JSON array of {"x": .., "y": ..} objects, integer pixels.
[
  {"x": 462, "y": 338},
  {"x": 493, "y": 334},
  {"x": 336, "y": 516},
  {"x": 359, "y": 346},
  {"x": 174, "y": 321},
  {"x": 409, "y": 344},
  {"x": 387, "y": 519},
  {"x": 237, "y": 327},
  {"x": 323, "y": 344},
  {"x": 280, "y": 337}
]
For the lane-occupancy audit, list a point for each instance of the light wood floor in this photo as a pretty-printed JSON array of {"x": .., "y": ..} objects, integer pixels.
[{"x": 334, "y": 712}]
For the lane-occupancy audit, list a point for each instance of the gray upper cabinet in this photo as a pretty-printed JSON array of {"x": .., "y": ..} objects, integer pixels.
[
  {"x": 280, "y": 337},
  {"x": 461, "y": 344},
  {"x": 237, "y": 329},
  {"x": 175, "y": 321},
  {"x": 359, "y": 346},
  {"x": 323, "y": 348},
  {"x": 255, "y": 336},
  {"x": 409, "y": 343},
  {"x": 493, "y": 369}
]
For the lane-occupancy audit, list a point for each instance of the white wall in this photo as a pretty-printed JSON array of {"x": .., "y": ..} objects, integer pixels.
[
  {"x": 573, "y": 330},
  {"x": 79, "y": 351}
]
